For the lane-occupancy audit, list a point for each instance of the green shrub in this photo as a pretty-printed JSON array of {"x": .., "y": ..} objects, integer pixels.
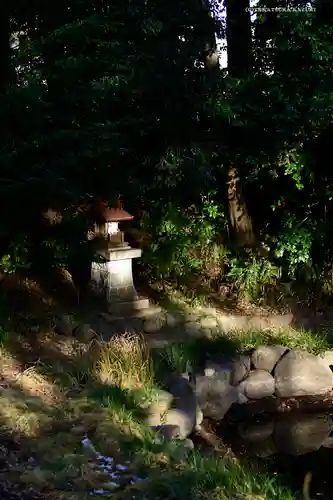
[
  {"x": 254, "y": 277},
  {"x": 184, "y": 242},
  {"x": 292, "y": 246}
]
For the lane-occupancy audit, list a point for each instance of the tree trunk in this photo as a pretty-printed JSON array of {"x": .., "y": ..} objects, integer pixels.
[
  {"x": 240, "y": 64},
  {"x": 240, "y": 222}
]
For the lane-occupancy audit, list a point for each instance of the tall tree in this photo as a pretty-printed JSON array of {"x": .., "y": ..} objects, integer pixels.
[{"x": 240, "y": 65}]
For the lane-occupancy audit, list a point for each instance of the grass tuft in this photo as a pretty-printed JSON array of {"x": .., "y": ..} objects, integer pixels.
[{"x": 125, "y": 361}]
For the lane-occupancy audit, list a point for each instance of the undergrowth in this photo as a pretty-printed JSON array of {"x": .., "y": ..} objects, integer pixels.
[{"x": 104, "y": 397}]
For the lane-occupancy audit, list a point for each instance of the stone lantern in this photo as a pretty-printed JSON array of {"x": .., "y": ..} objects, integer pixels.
[{"x": 112, "y": 278}]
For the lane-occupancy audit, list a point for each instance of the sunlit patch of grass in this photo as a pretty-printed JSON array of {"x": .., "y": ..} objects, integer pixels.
[
  {"x": 35, "y": 384},
  {"x": 292, "y": 338},
  {"x": 125, "y": 361},
  {"x": 23, "y": 415},
  {"x": 185, "y": 356},
  {"x": 212, "y": 478}
]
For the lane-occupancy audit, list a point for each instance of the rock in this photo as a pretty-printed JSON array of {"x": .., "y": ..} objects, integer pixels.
[
  {"x": 326, "y": 358},
  {"x": 207, "y": 311},
  {"x": 181, "y": 419},
  {"x": 154, "y": 418},
  {"x": 132, "y": 325},
  {"x": 299, "y": 373},
  {"x": 328, "y": 442},
  {"x": 256, "y": 432},
  {"x": 173, "y": 424},
  {"x": 84, "y": 332},
  {"x": 192, "y": 328},
  {"x": 222, "y": 369},
  {"x": 210, "y": 372},
  {"x": 262, "y": 449},
  {"x": 199, "y": 418},
  {"x": 154, "y": 324},
  {"x": 230, "y": 369},
  {"x": 162, "y": 403},
  {"x": 266, "y": 357},
  {"x": 301, "y": 435},
  {"x": 240, "y": 369},
  {"x": 229, "y": 323},
  {"x": 259, "y": 384},
  {"x": 65, "y": 324},
  {"x": 169, "y": 432},
  {"x": 208, "y": 322},
  {"x": 164, "y": 399},
  {"x": 173, "y": 319},
  {"x": 241, "y": 398},
  {"x": 214, "y": 396},
  {"x": 184, "y": 403},
  {"x": 79, "y": 430}
]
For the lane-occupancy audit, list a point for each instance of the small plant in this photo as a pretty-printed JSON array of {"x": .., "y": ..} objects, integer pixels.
[
  {"x": 126, "y": 362},
  {"x": 214, "y": 258},
  {"x": 253, "y": 277},
  {"x": 177, "y": 357}
]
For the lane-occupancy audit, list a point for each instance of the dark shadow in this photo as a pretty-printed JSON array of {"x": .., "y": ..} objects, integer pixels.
[
  {"x": 312, "y": 320},
  {"x": 287, "y": 445},
  {"x": 198, "y": 351},
  {"x": 14, "y": 455}
]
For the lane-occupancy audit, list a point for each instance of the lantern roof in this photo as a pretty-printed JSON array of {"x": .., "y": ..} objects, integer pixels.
[{"x": 112, "y": 214}]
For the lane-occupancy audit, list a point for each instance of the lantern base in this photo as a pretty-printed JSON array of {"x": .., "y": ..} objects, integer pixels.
[
  {"x": 128, "y": 308},
  {"x": 113, "y": 281}
]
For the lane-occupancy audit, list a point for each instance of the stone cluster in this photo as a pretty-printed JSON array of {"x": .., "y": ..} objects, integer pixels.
[
  {"x": 270, "y": 371},
  {"x": 161, "y": 326}
]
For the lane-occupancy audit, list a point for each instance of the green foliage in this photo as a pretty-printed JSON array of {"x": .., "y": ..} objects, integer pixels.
[
  {"x": 292, "y": 246},
  {"x": 184, "y": 241},
  {"x": 17, "y": 258},
  {"x": 254, "y": 277},
  {"x": 108, "y": 99}
]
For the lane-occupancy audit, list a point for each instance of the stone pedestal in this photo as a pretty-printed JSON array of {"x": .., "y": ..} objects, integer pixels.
[{"x": 113, "y": 280}]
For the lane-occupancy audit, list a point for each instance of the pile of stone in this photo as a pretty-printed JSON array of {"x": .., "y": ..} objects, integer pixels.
[{"x": 270, "y": 371}]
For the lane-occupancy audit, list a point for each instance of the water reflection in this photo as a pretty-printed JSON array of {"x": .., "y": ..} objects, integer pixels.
[
  {"x": 291, "y": 435},
  {"x": 288, "y": 444}
]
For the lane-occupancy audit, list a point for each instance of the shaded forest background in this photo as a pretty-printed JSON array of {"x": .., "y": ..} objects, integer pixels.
[{"x": 227, "y": 170}]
